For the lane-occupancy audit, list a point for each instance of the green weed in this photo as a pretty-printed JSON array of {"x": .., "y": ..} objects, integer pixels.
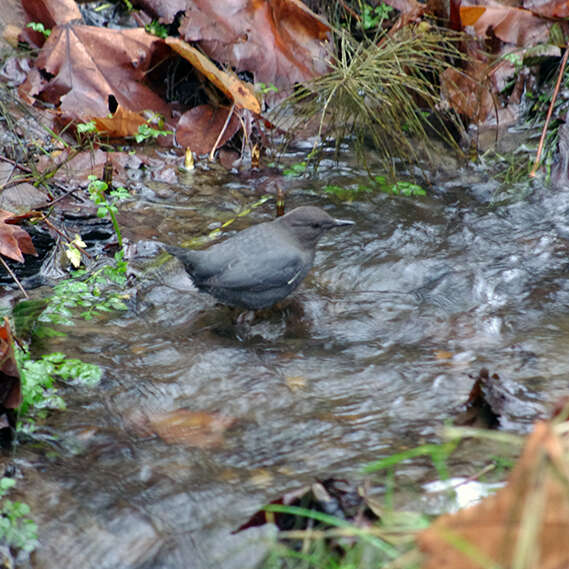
[
  {"x": 89, "y": 296},
  {"x": 39, "y": 380},
  {"x": 148, "y": 132},
  {"x": 15, "y": 529},
  {"x": 372, "y": 17},
  {"x": 107, "y": 201},
  {"x": 39, "y": 27},
  {"x": 157, "y": 29}
]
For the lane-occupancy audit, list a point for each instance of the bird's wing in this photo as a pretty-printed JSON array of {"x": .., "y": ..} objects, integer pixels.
[{"x": 283, "y": 268}]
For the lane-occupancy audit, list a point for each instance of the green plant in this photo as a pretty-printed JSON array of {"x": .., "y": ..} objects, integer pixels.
[
  {"x": 87, "y": 293},
  {"x": 399, "y": 188},
  {"x": 148, "y": 132},
  {"x": 438, "y": 453},
  {"x": 39, "y": 27},
  {"x": 372, "y": 17},
  {"x": 380, "y": 183},
  {"x": 157, "y": 29},
  {"x": 349, "y": 193},
  {"x": 15, "y": 529},
  {"x": 265, "y": 89},
  {"x": 39, "y": 382},
  {"x": 86, "y": 127},
  {"x": 97, "y": 192},
  {"x": 296, "y": 169}
]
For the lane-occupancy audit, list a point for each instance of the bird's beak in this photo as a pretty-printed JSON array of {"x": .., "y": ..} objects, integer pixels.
[{"x": 340, "y": 222}]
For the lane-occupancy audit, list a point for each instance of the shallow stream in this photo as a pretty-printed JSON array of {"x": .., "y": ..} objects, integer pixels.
[{"x": 371, "y": 356}]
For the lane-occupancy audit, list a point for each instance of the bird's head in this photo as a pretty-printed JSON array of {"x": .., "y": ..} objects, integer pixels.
[{"x": 308, "y": 223}]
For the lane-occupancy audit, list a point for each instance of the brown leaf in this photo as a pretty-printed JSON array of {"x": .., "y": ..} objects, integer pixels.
[
  {"x": 80, "y": 66},
  {"x": 10, "y": 385},
  {"x": 13, "y": 239},
  {"x": 511, "y": 25},
  {"x": 77, "y": 168},
  {"x": 496, "y": 529},
  {"x": 484, "y": 405},
  {"x": 239, "y": 91},
  {"x": 279, "y": 41},
  {"x": 199, "y": 128},
  {"x": 51, "y": 13},
  {"x": 466, "y": 91},
  {"x": 548, "y": 8},
  {"x": 121, "y": 124},
  {"x": 190, "y": 428}
]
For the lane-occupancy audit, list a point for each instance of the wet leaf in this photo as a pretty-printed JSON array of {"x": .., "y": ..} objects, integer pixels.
[
  {"x": 50, "y": 13},
  {"x": 120, "y": 124},
  {"x": 190, "y": 428},
  {"x": 333, "y": 497},
  {"x": 548, "y": 8},
  {"x": 279, "y": 41},
  {"x": 485, "y": 403},
  {"x": 10, "y": 386},
  {"x": 511, "y": 25},
  {"x": 199, "y": 128},
  {"x": 240, "y": 92},
  {"x": 14, "y": 241},
  {"x": 80, "y": 66},
  {"x": 527, "y": 519}
]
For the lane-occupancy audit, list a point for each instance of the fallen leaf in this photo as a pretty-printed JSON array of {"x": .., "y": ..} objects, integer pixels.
[
  {"x": 80, "y": 66},
  {"x": 556, "y": 9},
  {"x": 190, "y": 428},
  {"x": 511, "y": 25},
  {"x": 120, "y": 124},
  {"x": 485, "y": 403},
  {"x": 13, "y": 239},
  {"x": 279, "y": 41},
  {"x": 527, "y": 519},
  {"x": 10, "y": 385},
  {"x": 50, "y": 13},
  {"x": 240, "y": 92},
  {"x": 199, "y": 128}
]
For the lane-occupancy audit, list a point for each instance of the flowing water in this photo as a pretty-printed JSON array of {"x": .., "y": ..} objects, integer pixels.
[{"x": 372, "y": 355}]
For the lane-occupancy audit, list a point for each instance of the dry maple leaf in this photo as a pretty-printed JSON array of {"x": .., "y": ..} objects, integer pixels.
[
  {"x": 199, "y": 128},
  {"x": 527, "y": 519},
  {"x": 239, "y": 91},
  {"x": 190, "y": 428},
  {"x": 80, "y": 66},
  {"x": 13, "y": 239},
  {"x": 279, "y": 41},
  {"x": 511, "y": 25},
  {"x": 10, "y": 385}
]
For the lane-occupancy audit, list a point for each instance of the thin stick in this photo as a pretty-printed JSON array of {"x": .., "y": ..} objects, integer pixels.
[
  {"x": 229, "y": 115},
  {"x": 549, "y": 113},
  {"x": 13, "y": 276},
  {"x": 59, "y": 232}
]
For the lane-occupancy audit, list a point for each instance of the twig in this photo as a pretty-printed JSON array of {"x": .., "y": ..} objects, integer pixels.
[
  {"x": 65, "y": 237},
  {"x": 229, "y": 115},
  {"x": 536, "y": 164},
  {"x": 14, "y": 277},
  {"x": 350, "y": 11}
]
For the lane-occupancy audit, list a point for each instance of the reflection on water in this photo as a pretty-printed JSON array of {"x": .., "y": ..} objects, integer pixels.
[{"x": 370, "y": 356}]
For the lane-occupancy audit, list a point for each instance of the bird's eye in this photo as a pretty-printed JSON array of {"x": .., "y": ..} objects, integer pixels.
[{"x": 315, "y": 225}]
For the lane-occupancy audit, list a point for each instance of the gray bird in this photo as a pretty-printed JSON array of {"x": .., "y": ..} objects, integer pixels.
[{"x": 261, "y": 264}]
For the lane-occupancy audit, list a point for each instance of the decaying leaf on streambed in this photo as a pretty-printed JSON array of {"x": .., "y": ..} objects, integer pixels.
[
  {"x": 485, "y": 403},
  {"x": 10, "y": 386},
  {"x": 14, "y": 241},
  {"x": 198, "y": 429},
  {"x": 527, "y": 519},
  {"x": 331, "y": 497}
]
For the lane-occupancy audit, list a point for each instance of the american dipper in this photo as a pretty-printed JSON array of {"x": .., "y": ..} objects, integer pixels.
[{"x": 261, "y": 264}]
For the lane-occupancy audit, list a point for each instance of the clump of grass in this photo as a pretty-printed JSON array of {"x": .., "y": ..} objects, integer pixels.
[{"x": 381, "y": 91}]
